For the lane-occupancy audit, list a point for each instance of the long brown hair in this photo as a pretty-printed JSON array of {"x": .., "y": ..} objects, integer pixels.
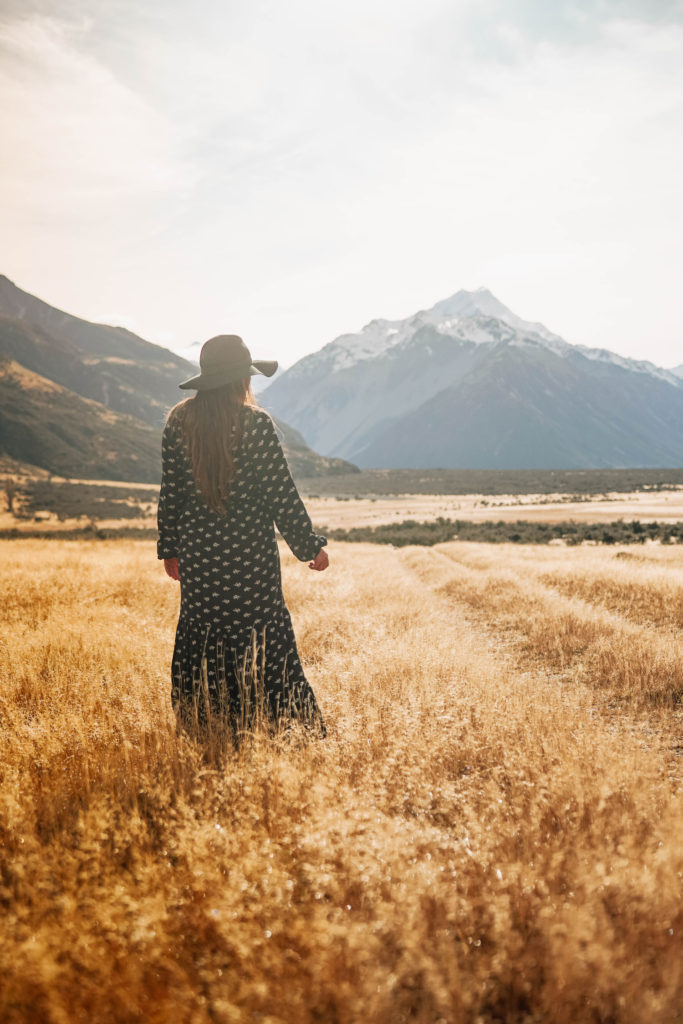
[{"x": 212, "y": 425}]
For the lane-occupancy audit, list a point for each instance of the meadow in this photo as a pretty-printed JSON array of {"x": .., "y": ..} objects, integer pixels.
[{"x": 491, "y": 832}]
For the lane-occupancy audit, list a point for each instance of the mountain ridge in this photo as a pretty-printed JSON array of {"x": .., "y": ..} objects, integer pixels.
[
  {"x": 366, "y": 383},
  {"x": 533, "y": 422}
]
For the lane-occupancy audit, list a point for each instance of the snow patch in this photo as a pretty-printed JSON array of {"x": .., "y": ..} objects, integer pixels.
[{"x": 603, "y": 355}]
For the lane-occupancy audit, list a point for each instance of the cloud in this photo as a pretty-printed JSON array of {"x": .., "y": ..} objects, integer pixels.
[
  {"x": 77, "y": 135},
  {"x": 294, "y": 170}
]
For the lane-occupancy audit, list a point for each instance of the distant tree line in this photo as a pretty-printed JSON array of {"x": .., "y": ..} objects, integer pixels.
[
  {"x": 520, "y": 532},
  {"x": 492, "y": 482}
]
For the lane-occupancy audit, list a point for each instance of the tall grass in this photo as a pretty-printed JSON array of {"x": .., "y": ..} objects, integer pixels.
[
  {"x": 480, "y": 837},
  {"x": 623, "y": 642}
]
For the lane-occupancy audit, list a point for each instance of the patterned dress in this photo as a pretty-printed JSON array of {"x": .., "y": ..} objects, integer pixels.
[{"x": 234, "y": 642}]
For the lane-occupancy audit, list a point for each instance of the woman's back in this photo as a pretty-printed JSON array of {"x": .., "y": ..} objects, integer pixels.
[{"x": 229, "y": 565}]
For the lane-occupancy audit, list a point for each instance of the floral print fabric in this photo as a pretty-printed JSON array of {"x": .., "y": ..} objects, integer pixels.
[{"x": 234, "y": 625}]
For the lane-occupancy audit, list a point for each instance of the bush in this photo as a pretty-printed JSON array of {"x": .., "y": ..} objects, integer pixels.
[{"x": 520, "y": 532}]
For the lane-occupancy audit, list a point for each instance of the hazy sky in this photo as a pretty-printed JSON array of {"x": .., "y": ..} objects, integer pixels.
[{"x": 289, "y": 171}]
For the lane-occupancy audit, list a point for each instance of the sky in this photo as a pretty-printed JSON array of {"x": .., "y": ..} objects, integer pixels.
[{"x": 289, "y": 172}]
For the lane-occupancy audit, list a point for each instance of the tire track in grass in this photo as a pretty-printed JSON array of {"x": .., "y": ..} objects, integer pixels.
[
  {"x": 601, "y": 647},
  {"x": 638, "y": 600},
  {"x": 644, "y": 593},
  {"x": 647, "y": 591},
  {"x": 635, "y": 673}
]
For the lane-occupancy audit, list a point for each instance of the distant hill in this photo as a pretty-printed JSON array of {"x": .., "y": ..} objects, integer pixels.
[
  {"x": 46, "y": 425},
  {"x": 108, "y": 364},
  {"x": 82, "y": 399},
  {"x": 468, "y": 383},
  {"x": 304, "y": 462}
]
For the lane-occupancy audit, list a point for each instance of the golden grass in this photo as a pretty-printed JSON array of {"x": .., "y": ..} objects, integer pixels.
[
  {"x": 484, "y": 835},
  {"x": 27, "y": 379},
  {"x": 545, "y": 609}
]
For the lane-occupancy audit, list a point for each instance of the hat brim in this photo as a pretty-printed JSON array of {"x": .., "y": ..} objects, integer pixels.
[{"x": 207, "y": 381}]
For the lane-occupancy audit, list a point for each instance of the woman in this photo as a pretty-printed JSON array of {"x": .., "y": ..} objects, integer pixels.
[{"x": 225, "y": 481}]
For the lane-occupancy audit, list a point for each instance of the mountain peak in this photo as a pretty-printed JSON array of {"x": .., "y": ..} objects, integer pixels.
[
  {"x": 463, "y": 303},
  {"x": 452, "y": 317}
]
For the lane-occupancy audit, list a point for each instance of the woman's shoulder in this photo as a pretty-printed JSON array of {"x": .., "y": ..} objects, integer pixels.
[
  {"x": 257, "y": 419},
  {"x": 172, "y": 432},
  {"x": 174, "y": 420}
]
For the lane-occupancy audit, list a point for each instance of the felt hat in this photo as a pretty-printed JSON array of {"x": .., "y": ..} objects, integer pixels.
[{"x": 226, "y": 358}]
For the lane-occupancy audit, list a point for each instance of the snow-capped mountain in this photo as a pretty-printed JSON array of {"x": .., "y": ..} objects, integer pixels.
[
  {"x": 465, "y": 315},
  {"x": 370, "y": 385},
  {"x": 453, "y": 317}
]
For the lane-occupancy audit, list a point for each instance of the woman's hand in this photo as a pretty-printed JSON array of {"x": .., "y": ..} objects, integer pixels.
[
  {"x": 320, "y": 562},
  {"x": 171, "y": 567}
]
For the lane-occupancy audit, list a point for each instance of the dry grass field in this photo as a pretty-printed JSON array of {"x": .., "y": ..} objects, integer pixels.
[{"x": 492, "y": 831}]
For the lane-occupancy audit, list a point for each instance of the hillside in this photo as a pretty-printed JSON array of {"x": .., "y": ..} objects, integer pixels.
[
  {"x": 48, "y": 426},
  {"x": 108, "y": 364},
  {"x": 468, "y": 383},
  {"x": 304, "y": 462},
  {"x": 84, "y": 399}
]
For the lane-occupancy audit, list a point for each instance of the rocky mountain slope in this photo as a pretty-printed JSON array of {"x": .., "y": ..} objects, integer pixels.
[
  {"x": 468, "y": 383},
  {"x": 87, "y": 400}
]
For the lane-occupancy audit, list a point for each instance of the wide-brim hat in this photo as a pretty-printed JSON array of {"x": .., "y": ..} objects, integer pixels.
[{"x": 224, "y": 359}]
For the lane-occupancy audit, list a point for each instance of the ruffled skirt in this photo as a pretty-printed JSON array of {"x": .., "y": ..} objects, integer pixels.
[{"x": 241, "y": 678}]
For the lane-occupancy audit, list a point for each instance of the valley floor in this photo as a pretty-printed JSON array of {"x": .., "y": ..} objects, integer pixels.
[
  {"x": 664, "y": 506},
  {"x": 491, "y": 831},
  {"x": 69, "y": 505}
]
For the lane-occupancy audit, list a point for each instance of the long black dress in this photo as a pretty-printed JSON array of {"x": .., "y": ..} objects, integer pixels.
[{"x": 234, "y": 631}]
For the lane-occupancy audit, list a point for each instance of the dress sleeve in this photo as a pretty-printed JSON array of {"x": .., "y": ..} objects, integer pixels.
[
  {"x": 282, "y": 497},
  {"x": 167, "y": 511}
]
